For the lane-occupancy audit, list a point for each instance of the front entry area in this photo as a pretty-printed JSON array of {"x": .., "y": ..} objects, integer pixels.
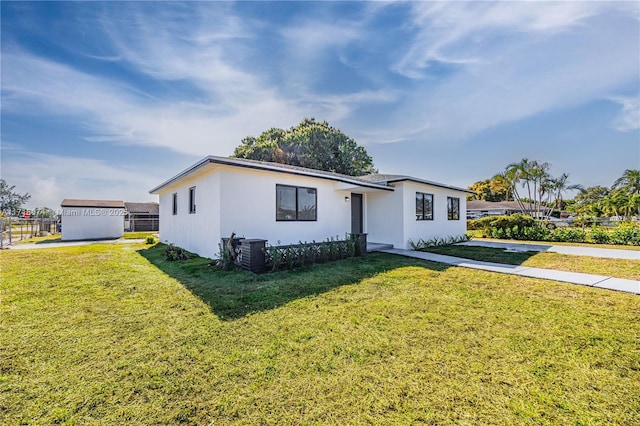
[{"x": 356, "y": 214}]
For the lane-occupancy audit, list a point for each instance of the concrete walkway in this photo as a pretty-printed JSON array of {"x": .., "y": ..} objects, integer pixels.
[
  {"x": 572, "y": 250},
  {"x": 44, "y": 245},
  {"x": 600, "y": 281}
]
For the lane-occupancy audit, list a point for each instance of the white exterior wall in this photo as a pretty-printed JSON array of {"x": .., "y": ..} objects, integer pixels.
[
  {"x": 440, "y": 226},
  {"x": 92, "y": 223},
  {"x": 241, "y": 200},
  {"x": 385, "y": 219},
  {"x": 249, "y": 207},
  {"x": 391, "y": 216},
  {"x": 197, "y": 232}
]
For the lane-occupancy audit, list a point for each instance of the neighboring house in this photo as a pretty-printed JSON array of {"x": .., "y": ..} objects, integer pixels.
[
  {"x": 92, "y": 219},
  {"x": 286, "y": 204},
  {"x": 141, "y": 216},
  {"x": 480, "y": 208}
]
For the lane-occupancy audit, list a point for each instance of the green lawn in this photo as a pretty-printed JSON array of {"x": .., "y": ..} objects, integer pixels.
[
  {"x": 477, "y": 235},
  {"x": 112, "y": 334},
  {"x": 619, "y": 268}
]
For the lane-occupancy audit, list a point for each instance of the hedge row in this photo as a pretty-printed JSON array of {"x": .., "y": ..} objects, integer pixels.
[{"x": 522, "y": 227}]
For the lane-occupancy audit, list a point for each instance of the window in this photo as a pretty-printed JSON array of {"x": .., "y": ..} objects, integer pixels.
[
  {"x": 175, "y": 203},
  {"x": 453, "y": 208},
  {"x": 424, "y": 206},
  {"x": 295, "y": 203},
  {"x": 192, "y": 199}
]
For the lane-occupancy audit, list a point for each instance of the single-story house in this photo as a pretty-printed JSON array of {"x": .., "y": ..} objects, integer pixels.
[
  {"x": 141, "y": 216},
  {"x": 481, "y": 208},
  {"x": 92, "y": 219},
  {"x": 287, "y": 204}
]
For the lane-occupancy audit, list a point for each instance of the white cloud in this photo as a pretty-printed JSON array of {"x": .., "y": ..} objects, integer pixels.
[
  {"x": 51, "y": 178},
  {"x": 629, "y": 118}
]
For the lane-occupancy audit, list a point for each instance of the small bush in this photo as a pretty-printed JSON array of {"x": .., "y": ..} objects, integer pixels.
[
  {"x": 599, "y": 235},
  {"x": 569, "y": 235},
  {"x": 481, "y": 223},
  {"x": 175, "y": 253},
  {"x": 437, "y": 242},
  {"x": 626, "y": 233},
  {"x": 150, "y": 239}
]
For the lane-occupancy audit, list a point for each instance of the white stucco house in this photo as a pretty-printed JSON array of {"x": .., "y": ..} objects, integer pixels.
[
  {"x": 286, "y": 204},
  {"x": 92, "y": 219}
]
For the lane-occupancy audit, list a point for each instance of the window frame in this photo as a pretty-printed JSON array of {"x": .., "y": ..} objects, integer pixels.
[
  {"x": 297, "y": 202},
  {"x": 192, "y": 200},
  {"x": 424, "y": 196},
  {"x": 450, "y": 210},
  {"x": 174, "y": 207}
]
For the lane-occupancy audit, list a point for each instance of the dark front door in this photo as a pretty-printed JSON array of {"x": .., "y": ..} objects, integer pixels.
[{"x": 356, "y": 213}]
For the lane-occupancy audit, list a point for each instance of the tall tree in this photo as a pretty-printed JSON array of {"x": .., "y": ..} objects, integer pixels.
[
  {"x": 311, "y": 144},
  {"x": 629, "y": 182},
  {"x": 11, "y": 202},
  {"x": 561, "y": 185}
]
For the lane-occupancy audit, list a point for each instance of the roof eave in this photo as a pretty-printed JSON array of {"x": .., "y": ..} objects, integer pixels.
[{"x": 237, "y": 163}]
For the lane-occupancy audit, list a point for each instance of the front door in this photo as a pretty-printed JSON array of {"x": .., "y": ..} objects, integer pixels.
[{"x": 356, "y": 214}]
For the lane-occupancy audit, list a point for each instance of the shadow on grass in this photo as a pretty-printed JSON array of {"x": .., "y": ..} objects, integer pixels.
[
  {"x": 49, "y": 241},
  {"x": 485, "y": 254},
  {"x": 234, "y": 294}
]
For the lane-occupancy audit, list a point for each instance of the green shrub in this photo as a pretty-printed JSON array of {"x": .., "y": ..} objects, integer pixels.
[
  {"x": 481, "y": 223},
  {"x": 175, "y": 253},
  {"x": 626, "y": 233},
  {"x": 508, "y": 222},
  {"x": 437, "y": 242},
  {"x": 569, "y": 235},
  {"x": 150, "y": 239},
  {"x": 599, "y": 235}
]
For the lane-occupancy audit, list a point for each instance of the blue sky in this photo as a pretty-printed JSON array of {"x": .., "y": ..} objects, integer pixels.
[{"x": 109, "y": 99}]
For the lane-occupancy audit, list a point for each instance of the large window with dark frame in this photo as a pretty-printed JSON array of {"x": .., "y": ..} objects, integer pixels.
[
  {"x": 453, "y": 208},
  {"x": 295, "y": 203},
  {"x": 424, "y": 206},
  {"x": 192, "y": 199},
  {"x": 175, "y": 203}
]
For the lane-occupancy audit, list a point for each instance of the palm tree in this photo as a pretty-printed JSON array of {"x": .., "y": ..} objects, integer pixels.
[
  {"x": 629, "y": 182},
  {"x": 560, "y": 186},
  {"x": 512, "y": 175}
]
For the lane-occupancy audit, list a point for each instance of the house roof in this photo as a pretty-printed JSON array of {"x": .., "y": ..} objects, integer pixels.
[
  {"x": 274, "y": 167},
  {"x": 497, "y": 205},
  {"x": 151, "y": 208},
  {"x": 376, "y": 181},
  {"x": 388, "y": 179},
  {"x": 68, "y": 202}
]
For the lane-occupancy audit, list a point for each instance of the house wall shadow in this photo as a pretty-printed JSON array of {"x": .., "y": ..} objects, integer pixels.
[
  {"x": 486, "y": 254},
  {"x": 235, "y": 294}
]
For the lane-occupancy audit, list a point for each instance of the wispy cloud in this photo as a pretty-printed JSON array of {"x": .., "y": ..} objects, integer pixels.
[
  {"x": 87, "y": 178},
  {"x": 629, "y": 118}
]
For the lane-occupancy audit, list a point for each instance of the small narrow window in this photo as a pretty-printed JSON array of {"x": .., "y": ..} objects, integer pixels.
[
  {"x": 453, "y": 208},
  {"x": 296, "y": 203},
  {"x": 175, "y": 203},
  {"x": 192, "y": 199},
  {"x": 424, "y": 206}
]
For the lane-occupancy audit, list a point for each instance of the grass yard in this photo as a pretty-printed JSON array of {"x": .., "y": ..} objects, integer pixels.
[
  {"x": 113, "y": 334},
  {"x": 477, "y": 235},
  {"x": 619, "y": 268}
]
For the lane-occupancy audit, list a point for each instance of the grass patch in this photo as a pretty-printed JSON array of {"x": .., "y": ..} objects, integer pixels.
[
  {"x": 112, "y": 334},
  {"x": 53, "y": 238},
  {"x": 476, "y": 236},
  {"x": 619, "y": 268},
  {"x": 139, "y": 235}
]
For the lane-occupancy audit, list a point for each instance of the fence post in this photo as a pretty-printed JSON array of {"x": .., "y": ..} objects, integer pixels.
[
  {"x": 361, "y": 248},
  {"x": 253, "y": 255}
]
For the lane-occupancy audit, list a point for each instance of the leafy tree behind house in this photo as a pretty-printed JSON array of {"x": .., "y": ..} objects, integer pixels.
[
  {"x": 311, "y": 144},
  {"x": 11, "y": 202}
]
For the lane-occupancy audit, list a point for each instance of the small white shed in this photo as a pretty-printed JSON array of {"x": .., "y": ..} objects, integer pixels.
[{"x": 92, "y": 219}]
